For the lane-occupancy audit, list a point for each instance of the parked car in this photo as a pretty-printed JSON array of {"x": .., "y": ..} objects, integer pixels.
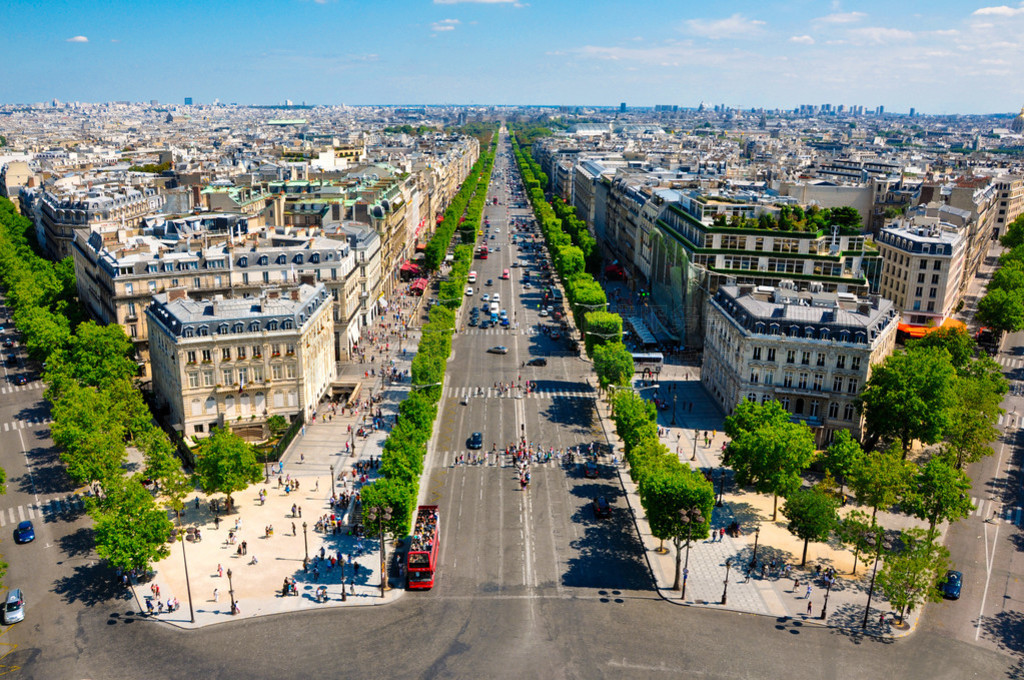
[
  {"x": 601, "y": 507},
  {"x": 469, "y": 291},
  {"x": 539, "y": 361},
  {"x": 951, "y": 585}
]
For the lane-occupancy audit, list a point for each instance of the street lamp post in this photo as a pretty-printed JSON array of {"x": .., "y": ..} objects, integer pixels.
[
  {"x": 689, "y": 517},
  {"x": 344, "y": 597},
  {"x": 381, "y": 516},
  {"x": 877, "y": 539},
  {"x": 721, "y": 485},
  {"x": 188, "y": 584},
  {"x": 231, "y": 594},
  {"x": 824, "y": 608},
  {"x": 694, "y": 456},
  {"x": 305, "y": 541},
  {"x": 332, "y": 481},
  {"x": 757, "y": 535},
  {"x": 725, "y": 590}
]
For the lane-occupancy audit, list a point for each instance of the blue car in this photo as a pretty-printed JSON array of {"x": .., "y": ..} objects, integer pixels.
[
  {"x": 25, "y": 533},
  {"x": 951, "y": 586}
]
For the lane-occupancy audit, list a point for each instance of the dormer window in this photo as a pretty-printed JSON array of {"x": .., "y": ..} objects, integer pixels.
[
  {"x": 238, "y": 328},
  {"x": 243, "y": 261},
  {"x": 223, "y": 328},
  {"x": 282, "y": 259},
  {"x": 264, "y": 260}
]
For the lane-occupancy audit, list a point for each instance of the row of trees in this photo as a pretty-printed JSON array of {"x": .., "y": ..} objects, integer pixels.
[
  {"x": 98, "y": 411},
  {"x": 573, "y": 249},
  {"x": 406, "y": 446},
  {"x": 1002, "y": 307}
]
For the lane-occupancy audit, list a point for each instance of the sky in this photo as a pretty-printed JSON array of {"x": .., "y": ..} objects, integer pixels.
[{"x": 938, "y": 56}]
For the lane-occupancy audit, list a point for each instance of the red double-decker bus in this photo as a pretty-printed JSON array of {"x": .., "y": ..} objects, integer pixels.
[
  {"x": 482, "y": 252},
  {"x": 426, "y": 538}
]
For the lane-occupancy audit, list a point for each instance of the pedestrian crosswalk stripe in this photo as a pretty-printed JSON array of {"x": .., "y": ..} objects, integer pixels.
[
  {"x": 22, "y": 424},
  {"x": 43, "y": 509},
  {"x": 490, "y": 392}
]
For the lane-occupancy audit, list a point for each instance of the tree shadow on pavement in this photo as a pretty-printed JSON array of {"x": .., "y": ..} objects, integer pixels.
[
  {"x": 77, "y": 544},
  {"x": 1006, "y": 628},
  {"x": 848, "y": 617},
  {"x": 90, "y": 584}
]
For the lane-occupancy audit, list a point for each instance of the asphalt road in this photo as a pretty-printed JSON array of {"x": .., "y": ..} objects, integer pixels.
[{"x": 530, "y": 584}]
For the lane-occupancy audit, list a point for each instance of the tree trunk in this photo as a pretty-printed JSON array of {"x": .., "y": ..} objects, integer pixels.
[
  {"x": 679, "y": 557},
  {"x": 775, "y": 507},
  {"x": 856, "y": 554},
  {"x": 803, "y": 560}
]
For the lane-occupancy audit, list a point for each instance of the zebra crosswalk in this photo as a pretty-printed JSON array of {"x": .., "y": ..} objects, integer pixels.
[
  {"x": 13, "y": 425},
  {"x": 543, "y": 393},
  {"x": 11, "y": 389},
  {"x": 993, "y": 511},
  {"x": 498, "y": 331},
  {"x": 42, "y": 509}
]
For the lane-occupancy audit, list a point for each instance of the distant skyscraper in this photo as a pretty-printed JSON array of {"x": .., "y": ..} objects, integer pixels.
[
  {"x": 913, "y": 111},
  {"x": 153, "y": 102},
  {"x": 880, "y": 110},
  {"x": 622, "y": 107},
  {"x": 188, "y": 101}
]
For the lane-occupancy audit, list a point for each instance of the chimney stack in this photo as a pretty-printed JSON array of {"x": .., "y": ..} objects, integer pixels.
[{"x": 178, "y": 293}]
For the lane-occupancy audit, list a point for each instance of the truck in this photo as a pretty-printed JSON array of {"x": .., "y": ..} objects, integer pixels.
[{"x": 425, "y": 541}]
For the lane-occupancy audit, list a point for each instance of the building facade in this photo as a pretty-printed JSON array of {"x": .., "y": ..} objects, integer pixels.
[{"x": 811, "y": 351}]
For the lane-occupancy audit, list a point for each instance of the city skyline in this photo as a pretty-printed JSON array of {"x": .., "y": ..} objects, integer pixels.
[{"x": 939, "y": 57}]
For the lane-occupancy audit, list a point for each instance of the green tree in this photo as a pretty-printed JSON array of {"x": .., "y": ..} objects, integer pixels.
[
  {"x": 854, "y": 530},
  {"x": 749, "y": 416},
  {"x": 771, "y": 458},
  {"x": 635, "y": 419},
  {"x": 841, "y": 456},
  {"x": 1001, "y": 310},
  {"x": 89, "y": 433},
  {"x": 131, "y": 531},
  {"x": 881, "y": 478},
  {"x": 909, "y": 575},
  {"x": 664, "y": 493},
  {"x": 277, "y": 424},
  {"x": 44, "y": 332},
  {"x": 101, "y": 354},
  {"x": 812, "y": 516},
  {"x": 909, "y": 396},
  {"x": 613, "y": 364},
  {"x": 1014, "y": 235},
  {"x": 602, "y": 328},
  {"x": 957, "y": 341},
  {"x": 394, "y": 495},
  {"x": 164, "y": 468},
  {"x": 973, "y": 418},
  {"x": 570, "y": 260},
  {"x": 940, "y": 493},
  {"x": 226, "y": 463}
]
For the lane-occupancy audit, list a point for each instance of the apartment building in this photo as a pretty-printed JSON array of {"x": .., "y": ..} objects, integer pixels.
[
  {"x": 234, "y": 362},
  {"x": 59, "y": 215},
  {"x": 810, "y": 350},
  {"x": 924, "y": 264},
  {"x": 117, "y": 280},
  {"x": 1010, "y": 202}
]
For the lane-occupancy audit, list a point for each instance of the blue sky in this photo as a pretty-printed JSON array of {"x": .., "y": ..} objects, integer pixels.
[{"x": 940, "y": 56}]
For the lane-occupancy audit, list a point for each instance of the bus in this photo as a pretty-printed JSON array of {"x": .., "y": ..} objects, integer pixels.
[
  {"x": 482, "y": 252},
  {"x": 648, "y": 362},
  {"x": 504, "y": 274},
  {"x": 422, "y": 559}
]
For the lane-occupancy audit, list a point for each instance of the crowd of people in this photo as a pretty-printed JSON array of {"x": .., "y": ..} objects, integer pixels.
[{"x": 424, "y": 531}]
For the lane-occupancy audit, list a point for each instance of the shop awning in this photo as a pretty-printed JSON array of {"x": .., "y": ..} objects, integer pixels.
[
  {"x": 420, "y": 284},
  {"x": 921, "y": 331},
  {"x": 410, "y": 267},
  {"x": 421, "y": 246}
]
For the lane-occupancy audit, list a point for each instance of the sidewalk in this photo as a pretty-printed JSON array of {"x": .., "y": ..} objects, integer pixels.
[
  {"x": 309, "y": 460},
  {"x": 772, "y": 594}
]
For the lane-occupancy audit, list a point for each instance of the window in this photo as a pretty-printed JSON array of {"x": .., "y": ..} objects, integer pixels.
[
  {"x": 275, "y": 350},
  {"x": 289, "y": 371},
  {"x": 837, "y": 383},
  {"x": 207, "y": 378},
  {"x": 289, "y": 349},
  {"x": 790, "y": 356},
  {"x": 935, "y": 279},
  {"x": 785, "y": 402},
  {"x": 223, "y": 328},
  {"x": 818, "y": 380},
  {"x": 257, "y": 351},
  {"x": 855, "y": 363},
  {"x": 815, "y": 406},
  {"x": 275, "y": 372},
  {"x": 190, "y": 356},
  {"x": 821, "y": 358},
  {"x": 771, "y": 354},
  {"x": 196, "y": 283},
  {"x": 924, "y": 264},
  {"x": 787, "y": 380},
  {"x": 152, "y": 286},
  {"x": 257, "y": 374},
  {"x": 932, "y": 292},
  {"x": 131, "y": 310},
  {"x": 805, "y": 358},
  {"x": 217, "y": 281},
  {"x": 757, "y": 354},
  {"x": 841, "y": 361},
  {"x": 266, "y": 277},
  {"x": 225, "y": 354},
  {"x": 228, "y": 376},
  {"x": 931, "y": 306},
  {"x": 128, "y": 289},
  {"x": 848, "y": 412},
  {"x": 937, "y": 265},
  {"x": 803, "y": 381},
  {"x": 752, "y": 398},
  {"x": 207, "y": 356},
  {"x": 243, "y": 376},
  {"x": 919, "y": 291},
  {"x": 833, "y": 410},
  {"x": 240, "y": 352},
  {"x": 754, "y": 377},
  {"x": 920, "y": 278},
  {"x": 851, "y": 386},
  {"x": 769, "y": 378},
  {"x": 245, "y": 278},
  {"x": 193, "y": 380}
]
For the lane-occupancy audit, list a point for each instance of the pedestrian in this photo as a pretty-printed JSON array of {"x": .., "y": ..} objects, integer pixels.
[
  {"x": 807, "y": 595},
  {"x": 156, "y": 590},
  {"x": 216, "y": 594},
  {"x": 809, "y": 606},
  {"x": 220, "y": 571},
  {"x": 216, "y": 522},
  {"x": 796, "y": 583},
  {"x": 721, "y": 534},
  {"x": 300, "y": 507},
  {"x": 245, "y": 548},
  {"x": 881, "y": 619},
  {"x": 293, "y": 529}
]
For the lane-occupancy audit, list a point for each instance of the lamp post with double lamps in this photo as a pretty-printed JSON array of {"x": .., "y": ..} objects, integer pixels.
[
  {"x": 231, "y": 594},
  {"x": 725, "y": 590},
  {"x": 381, "y": 516},
  {"x": 877, "y": 539},
  {"x": 689, "y": 517}
]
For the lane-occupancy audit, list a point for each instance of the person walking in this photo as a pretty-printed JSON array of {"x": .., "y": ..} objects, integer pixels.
[
  {"x": 807, "y": 595},
  {"x": 216, "y": 594},
  {"x": 220, "y": 571},
  {"x": 809, "y": 607}
]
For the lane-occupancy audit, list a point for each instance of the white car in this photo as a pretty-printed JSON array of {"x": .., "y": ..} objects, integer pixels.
[
  {"x": 486, "y": 297},
  {"x": 496, "y": 297},
  {"x": 469, "y": 291},
  {"x": 495, "y": 308},
  {"x": 543, "y": 312}
]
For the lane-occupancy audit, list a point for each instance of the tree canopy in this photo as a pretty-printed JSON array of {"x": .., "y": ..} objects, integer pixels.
[
  {"x": 613, "y": 364},
  {"x": 812, "y": 516},
  {"x": 131, "y": 531},
  {"x": 225, "y": 463}
]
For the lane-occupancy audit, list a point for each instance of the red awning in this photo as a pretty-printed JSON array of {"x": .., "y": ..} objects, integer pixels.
[
  {"x": 410, "y": 267},
  {"x": 420, "y": 284},
  {"x": 420, "y": 247}
]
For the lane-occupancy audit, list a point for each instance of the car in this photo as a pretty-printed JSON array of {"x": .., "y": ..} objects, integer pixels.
[
  {"x": 476, "y": 440},
  {"x": 12, "y": 359},
  {"x": 495, "y": 307},
  {"x": 497, "y": 231},
  {"x": 555, "y": 335},
  {"x": 951, "y": 585},
  {"x": 542, "y": 312},
  {"x": 515, "y": 264},
  {"x": 526, "y": 284},
  {"x": 497, "y": 249},
  {"x": 486, "y": 297},
  {"x": 490, "y": 282},
  {"x": 21, "y": 380},
  {"x": 469, "y": 291},
  {"x": 504, "y": 322},
  {"x": 500, "y": 349},
  {"x": 8, "y": 343},
  {"x": 590, "y": 469},
  {"x": 539, "y": 361},
  {"x": 503, "y": 314},
  {"x": 474, "y": 320},
  {"x": 24, "y": 532},
  {"x": 601, "y": 507},
  {"x": 14, "y": 606},
  {"x": 485, "y": 324},
  {"x": 496, "y": 297}
]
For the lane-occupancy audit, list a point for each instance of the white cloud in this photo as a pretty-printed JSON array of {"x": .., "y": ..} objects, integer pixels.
[
  {"x": 445, "y": 25},
  {"x": 78, "y": 38},
  {"x": 802, "y": 39},
  {"x": 841, "y": 18},
  {"x": 735, "y": 26},
  {"x": 999, "y": 11},
  {"x": 879, "y": 34}
]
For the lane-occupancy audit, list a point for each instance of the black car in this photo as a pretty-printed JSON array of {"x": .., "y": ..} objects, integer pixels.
[
  {"x": 473, "y": 321},
  {"x": 601, "y": 507},
  {"x": 12, "y": 359},
  {"x": 490, "y": 282},
  {"x": 539, "y": 361},
  {"x": 21, "y": 380},
  {"x": 590, "y": 469},
  {"x": 476, "y": 440}
]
